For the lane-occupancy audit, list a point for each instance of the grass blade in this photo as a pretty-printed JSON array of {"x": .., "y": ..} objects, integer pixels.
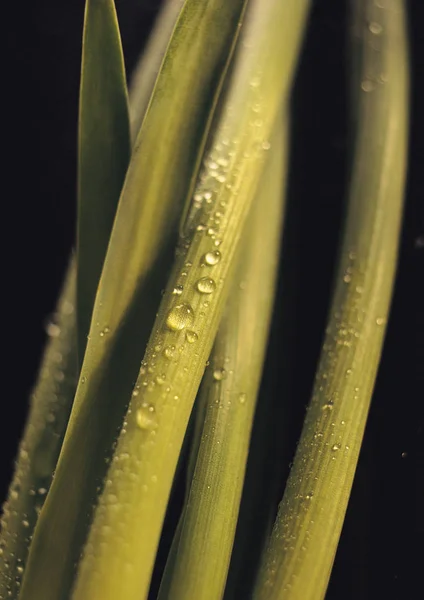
[
  {"x": 156, "y": 185},
  {"x": 148, "y": 67},
  {"x": 39, "y": 449},
  {"x": 133, "y": 503},
  {"x": 303, "y": 544},
  {"x": 230, "y": 389},
  {"x": 103, "y": 150}
]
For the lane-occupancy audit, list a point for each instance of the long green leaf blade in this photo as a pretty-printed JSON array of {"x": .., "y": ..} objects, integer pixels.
[
  {"x": 103, "y": 150},
  {"x": 303, "y": 544},
  {"x": 149, "y": 65},
  {"x": 156, "y": 186},
  {"x": 134, "y": 500},
  {"x": 51, "y": 403},
  {"x": 230, "y": 388}
]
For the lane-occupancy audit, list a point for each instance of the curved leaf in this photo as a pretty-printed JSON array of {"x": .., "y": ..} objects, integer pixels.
[
  {"x": 304, "y": 540},
  {"x": 157, "y": 182},
  {"x": 133, "y": 503}
]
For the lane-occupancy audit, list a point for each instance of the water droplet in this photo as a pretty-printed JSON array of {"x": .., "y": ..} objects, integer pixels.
[
  {"x": 266, "y": 145},
  {"x": 375, "y": 28},
  {"x": 212, "y": 258},
  {"x": 178, "y": 290},
  {"x": 169, "y": 352},
  {"x": 160, "y": 379},
  {"x": 145, "y": 418},
  {"x": 206, "y": 285},
  {"x": 367, "y": 85},
  {"x": 404, "y": 454},
  {"x": 191, "y": 336},
  {"x": 336, "y": 447},
  {"x": 52, "y": 329},
  {"x": 309, "y": 495},
  {"x": 83, "y": 379},
  {"x": 25, "y": 523},
  {"x": 219, "y": 374},
  {"x": 347, "y": 278},
  {"x": 380, "y": 320},
  {"x": 242, "y": 398},
  {"x": 179, "y": 317}
]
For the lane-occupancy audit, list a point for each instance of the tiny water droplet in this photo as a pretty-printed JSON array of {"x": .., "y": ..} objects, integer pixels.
[
  {"x": 367, "y": 85},
  {"x": 242, "y": 398},
  {"x": 266, "y": 145},
  {"x": 404, "y": 454},
  {"x": 52, "y": 329},
  {"x": 83, "y": 379},
  {"x": 178, "y": 290},
  {"x": 160, "y": 379},
  {"x": 191, "y": 336},
  {"x": 380, "y": 320},
  {"x": 219, "y": 374},
  {"x": 180, "y": 317},
  {"x": 336, "y": 447},
  {"x": 169, "y": 352},
  {"x": 309, "y": 495},
  {"x": 206, "y": 285},
  {"x": 212, "y": 258},
  {"x": 375, "y": 28},
  {"x": 145, "y": 418}
]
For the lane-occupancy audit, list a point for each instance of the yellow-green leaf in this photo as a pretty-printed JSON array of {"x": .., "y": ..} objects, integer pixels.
[
  {"x": 161, "y": 173},
  {"x": 133, "y": 503},
  {"x": 304, "y": 540},
  {"x": 205, "y": 539},
  {"x": 50, "y": 406},
  {"x": 103, "y": 150}
]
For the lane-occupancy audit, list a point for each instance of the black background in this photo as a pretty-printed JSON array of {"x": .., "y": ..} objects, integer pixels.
[{"x": 381, "y": 551}]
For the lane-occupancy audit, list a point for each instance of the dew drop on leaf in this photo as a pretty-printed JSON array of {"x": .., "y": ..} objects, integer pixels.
[
  {"x": 219, "y": 374},
  {"x": 206, "y": 285},
  {"x": 212, "y": 258},
  {"x": 180, "y": 317},
  {"x": 145, "y": 417},
  {"x": 191, "y": 336}
]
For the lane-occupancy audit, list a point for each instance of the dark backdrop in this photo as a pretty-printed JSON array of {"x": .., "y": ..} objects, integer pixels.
[{"x": 381, "y": 549}]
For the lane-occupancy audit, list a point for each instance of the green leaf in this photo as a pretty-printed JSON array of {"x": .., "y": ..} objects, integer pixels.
[
  {"x": 304, "y": 540},
  {"x": 51, "y": 403},
  {"x": 205, "y": 539},
  {"x": 103, "y": 150},
  {"x": 161, "y": 173},
  {"x": 133, "y": 503},
  {"x": 148, "y": 67}
]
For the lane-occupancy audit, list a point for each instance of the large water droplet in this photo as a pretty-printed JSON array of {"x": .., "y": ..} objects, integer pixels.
[
  {"x": 206, "y": 285},
  {"x": 180, "y": 317},
  {"x": 212, "y": 258}
]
